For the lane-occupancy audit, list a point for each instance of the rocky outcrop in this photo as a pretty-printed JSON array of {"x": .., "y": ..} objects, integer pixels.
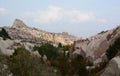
[
  {"x": 7, "y": 46},
  {"x": 22, "y": 35},
  {"x": 20, "y": 30},
  {"x": 19, "y": 24},
  {"x": 4, "y": 47},
  {"x": 96, "y": 46},
  {"x": 113, "y": 69}
]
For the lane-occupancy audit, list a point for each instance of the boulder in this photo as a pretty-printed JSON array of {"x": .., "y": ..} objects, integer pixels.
[
  {"x": 113, "y": 69},
  {"x": 95, "y": 47}
]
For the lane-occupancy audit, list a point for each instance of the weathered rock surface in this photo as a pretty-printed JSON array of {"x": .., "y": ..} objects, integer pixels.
[
  {"x": 20, "y": 30},
  {"x": 113, "y": 69},
  {"x": 96, "y": 46},
  {"x": 5, "y": 45},
  {"x": 27, "y": 37}
]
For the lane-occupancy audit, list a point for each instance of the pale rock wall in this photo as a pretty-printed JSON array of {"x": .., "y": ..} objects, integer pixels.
[
  {"x": 113, "y": 69},
  {"x": 97, "y": 45}
]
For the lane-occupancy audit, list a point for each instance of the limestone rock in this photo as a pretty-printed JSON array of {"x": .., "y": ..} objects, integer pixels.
[
  {"x": 36, "y": 53},
  {"x": 18, "y": 24},
  {"x": 4, "y": 47},
  {"x": 97, "y": 45},
  {"x": 113, "y": 69},
  {"x": 20, "y": 30}
]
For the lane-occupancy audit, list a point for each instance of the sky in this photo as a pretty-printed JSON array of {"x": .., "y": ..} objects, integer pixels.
[{"x": 82, "y": 18}]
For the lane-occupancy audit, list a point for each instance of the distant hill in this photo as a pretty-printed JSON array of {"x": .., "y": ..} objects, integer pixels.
[{"x": 20, "y": 30}]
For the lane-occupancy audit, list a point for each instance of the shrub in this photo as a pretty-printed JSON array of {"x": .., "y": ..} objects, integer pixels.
[
  {"x": 22, "y": 63},
  {"x": 113, "y": 49},
  {"x": 49, "y": 50},
  {"x": 4, "y": 34},
  {"x": 78, "y": 65},
  {"x": 60, "y": 45},
  {"x": 4, "y": 71}
]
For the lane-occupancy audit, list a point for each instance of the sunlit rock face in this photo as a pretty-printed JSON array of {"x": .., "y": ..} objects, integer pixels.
[
  {"x": 95, "y": 46},
  {"x": 19, "y": 24},
  {"x": 20, "y": 30},
  {"x": 113, "y": 69},
  {"x": 24, "y": 34}
]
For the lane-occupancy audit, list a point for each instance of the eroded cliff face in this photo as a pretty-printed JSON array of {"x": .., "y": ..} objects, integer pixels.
[
  {"x": 20, "y": 30},
  {"x": 96, "y": 46}
]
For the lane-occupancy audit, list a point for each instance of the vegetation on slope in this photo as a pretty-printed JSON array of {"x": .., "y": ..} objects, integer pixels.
[
  {"x": 22, "y": 63},
  {"x": 47, "y": 49},
  {"x": 4, "y": 34},
  {"x": 59, "y": 59},
  {"x": 113, "y": 49}
]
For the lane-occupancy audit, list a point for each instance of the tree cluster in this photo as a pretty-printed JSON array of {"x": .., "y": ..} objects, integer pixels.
[
  {"x": 113, "y": 49},
  {"x": 4, "y": 34}
]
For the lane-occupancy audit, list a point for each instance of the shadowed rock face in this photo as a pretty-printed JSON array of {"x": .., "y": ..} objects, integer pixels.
[
  {"x": 113, "y": 69},
  {"x": 96, "y": 46}
]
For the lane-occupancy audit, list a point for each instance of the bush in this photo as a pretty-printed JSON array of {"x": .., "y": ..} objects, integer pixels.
[
  {"x": 62, "y": 64},
  {"x": 4, "y": 34},
  {"x": 49, "y": 50},
  {"x": 78, "y": 65},
  {"x": 113, "y": 49},
  {"x": 22, "y": 63},
  {"x": 73, "y": 67},
  {"x": 60, "y": 45},
  {"x": 4, "y": 71}
]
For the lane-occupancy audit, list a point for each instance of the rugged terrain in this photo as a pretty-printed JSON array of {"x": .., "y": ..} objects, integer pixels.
[
  {"x": 94, "y": 48},
  {"x": 22, "y": 35},
  {"x": 21, "y": 31}
]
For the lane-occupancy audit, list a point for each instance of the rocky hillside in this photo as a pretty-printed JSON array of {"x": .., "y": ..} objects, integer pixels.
[
  {"x": 94, "y": 48},
  {"x": 20, "y": 30},
  {"x": 77, "y": 62}
]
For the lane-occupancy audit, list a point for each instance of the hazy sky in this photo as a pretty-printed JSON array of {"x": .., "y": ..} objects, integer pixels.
[{"x": 78, "y": 17}]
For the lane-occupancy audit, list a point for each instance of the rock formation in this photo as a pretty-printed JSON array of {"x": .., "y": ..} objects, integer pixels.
[
  {"x": 22, "y": 35},
  {"x": 96, "y": 46},
  {"x": 20, "y": 30},
  {"x": 7, "y": 46},
  {"x": 19, "y": 24},
  {"x": 113, "y": 69}
]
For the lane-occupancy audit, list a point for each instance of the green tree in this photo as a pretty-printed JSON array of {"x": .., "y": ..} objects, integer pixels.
[
  {"x": 66, "y": 48},
  {"x": 4, "y": 71},
  {"x": 113, "y": 49},
  {"x": 78, "y": 66},
  {"x": 49, "y": 50},
  {"x": 21, "y": 63},
  {"x": 60, "y": 45},
  {"x": 4, "y": 34},
  {"x": 62, "y": 63}
]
